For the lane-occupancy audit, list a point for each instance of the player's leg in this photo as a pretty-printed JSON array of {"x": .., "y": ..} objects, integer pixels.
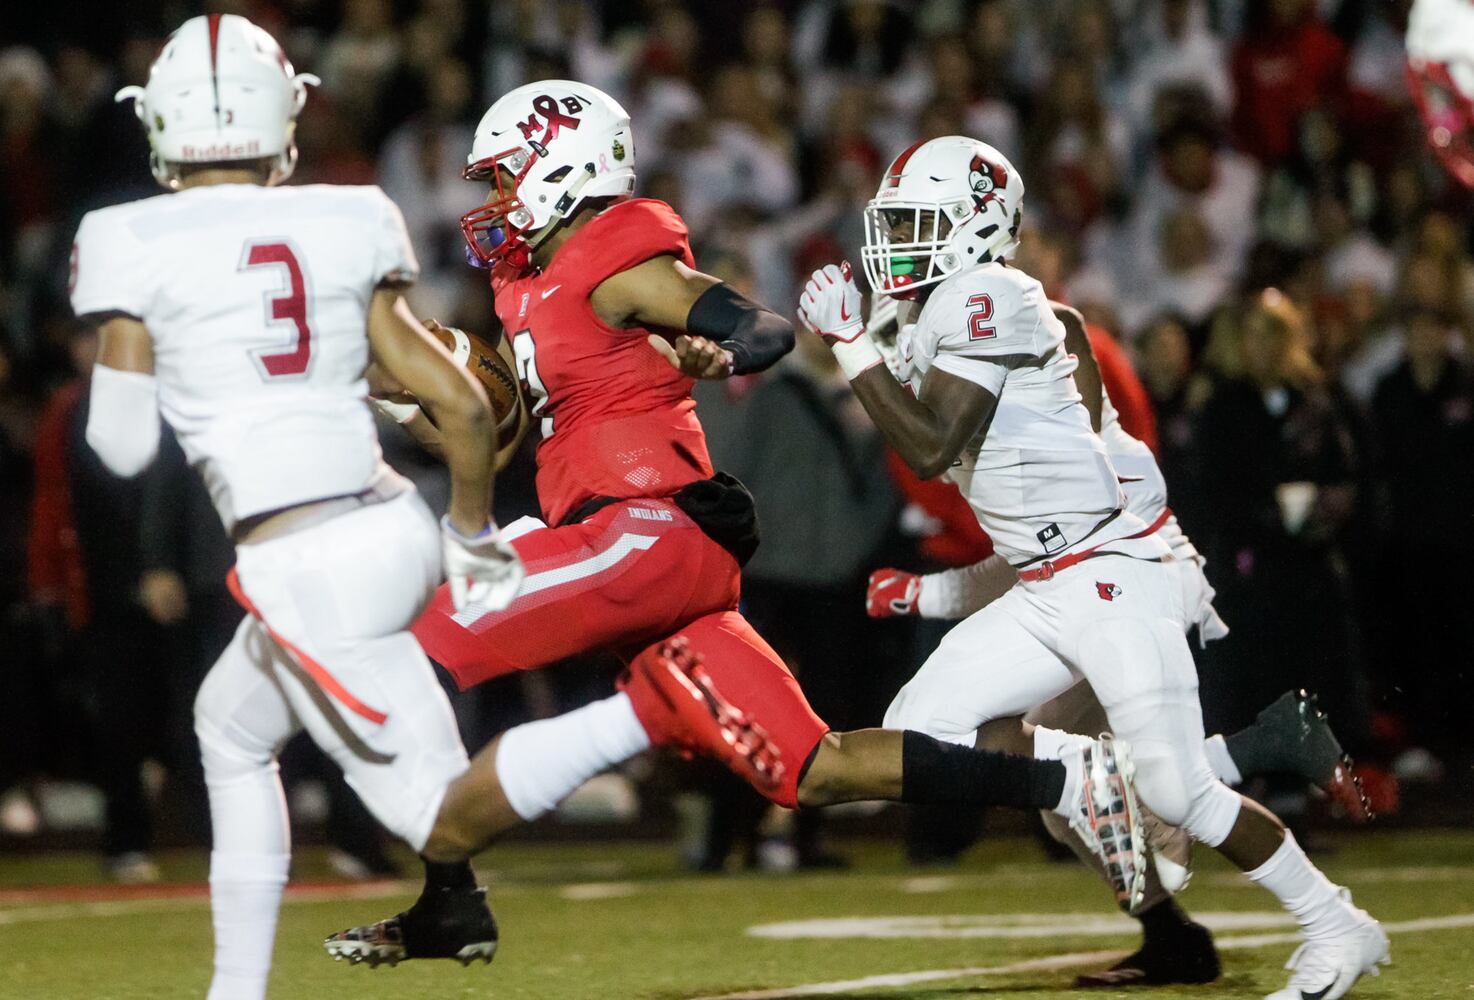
[
  {"x": 1174, "y": 948},
  {"x": 612, "y": 580},
  {"x": 1137, "y": 660},
  {"x": 627, "y": 576},
  {"x": 1291, "y": 735},
  {"x": 242, "y": 718},
  {"x": 335, "y": 601},
  {"x": 822, "y": 768}
]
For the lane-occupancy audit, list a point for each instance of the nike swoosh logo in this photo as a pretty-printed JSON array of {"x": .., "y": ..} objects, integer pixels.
[
  {"x": 550, "y": 291},
  {"x": 1317, "y": 995},
  {"x": 844, "y": 317}
]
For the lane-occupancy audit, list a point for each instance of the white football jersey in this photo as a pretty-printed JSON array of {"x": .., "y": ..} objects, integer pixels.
[
  {"x": 1142, "y": 482},
  {"x": 1040, "y": 481},
  {"x": 256, "y": 300}
]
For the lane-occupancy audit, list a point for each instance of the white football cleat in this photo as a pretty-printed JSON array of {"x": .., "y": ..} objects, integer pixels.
[
  {"x": 1107, "y": 819},
  {"x": 1327, "y": 968}
]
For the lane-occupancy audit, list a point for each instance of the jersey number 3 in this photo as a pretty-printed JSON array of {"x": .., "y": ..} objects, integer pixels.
[
  {"x": 977, "y": 321},
  {"x": 287, "y": 305}
]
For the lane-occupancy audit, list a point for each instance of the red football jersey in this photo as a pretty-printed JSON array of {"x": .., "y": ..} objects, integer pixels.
[{"x": 617, "y": 419}]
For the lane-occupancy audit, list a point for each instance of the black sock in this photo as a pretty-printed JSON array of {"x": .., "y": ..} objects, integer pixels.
[
  {"x": 449, "y": 875},
  {"x": 1163, "y": 920},
  {"x": 937, "y": 772}
]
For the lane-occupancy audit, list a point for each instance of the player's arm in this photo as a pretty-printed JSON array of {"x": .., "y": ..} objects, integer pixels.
[
  {"x": 395, "y": 402},
  {"x": 415, "y": 361},
  {"x": 1087, "y": 371},
  {"x": 481, "y": 568},
  {"x": 726, "y": 332},
  {"x": 123, "y": 415},
  {"x": 929, "y": 430}
]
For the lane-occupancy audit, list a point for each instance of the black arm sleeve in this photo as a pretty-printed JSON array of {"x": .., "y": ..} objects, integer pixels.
[{"x": 757, "y": 337}]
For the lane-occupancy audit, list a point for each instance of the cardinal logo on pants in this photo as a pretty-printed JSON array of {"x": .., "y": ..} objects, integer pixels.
[{"x": 1107, "y": 591}]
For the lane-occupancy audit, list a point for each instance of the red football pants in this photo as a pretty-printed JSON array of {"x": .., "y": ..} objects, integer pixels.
[{"x": 633, "y": 574}]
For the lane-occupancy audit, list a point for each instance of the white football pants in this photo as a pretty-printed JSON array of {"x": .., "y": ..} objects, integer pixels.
[
  {"x": 326, "y": 648},
  {"x": 1115, "y": 621}
]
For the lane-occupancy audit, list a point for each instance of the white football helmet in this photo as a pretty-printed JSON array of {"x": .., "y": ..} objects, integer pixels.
[
  {"x": 944, "y": 205},
  {"x": 221, "y": 90},
  {"x": 545, "y": 147},
  {"x": 1440, "y": 73}
]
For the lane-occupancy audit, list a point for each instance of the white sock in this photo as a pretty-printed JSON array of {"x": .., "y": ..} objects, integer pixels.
[
  {"x": 1074, "y": 774},
  {"x": 1055, "y": 744},
  {"x": 542, "y": 763},
  {"x": 1314, "y": 899},
  {"x": 1052, "y": 744},
  {"x": 245, "y": 895},
  {"x": 1221, "y": 761}
]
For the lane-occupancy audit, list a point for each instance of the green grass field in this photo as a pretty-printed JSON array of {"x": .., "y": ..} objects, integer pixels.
[{"x": 623, "y": 921}]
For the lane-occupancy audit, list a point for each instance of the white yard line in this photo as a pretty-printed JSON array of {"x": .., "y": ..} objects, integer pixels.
[
  {"x": 583, "y": 891},
  {"x": 176, "y": 904},
  {"x": 1055, "y": 963}
]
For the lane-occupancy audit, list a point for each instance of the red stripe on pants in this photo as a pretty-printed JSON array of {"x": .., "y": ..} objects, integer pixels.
[{"x": 315, "y": 670}]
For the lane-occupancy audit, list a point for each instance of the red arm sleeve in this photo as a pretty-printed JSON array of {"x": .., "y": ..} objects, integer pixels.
[{"x": 1127, "y": 393}]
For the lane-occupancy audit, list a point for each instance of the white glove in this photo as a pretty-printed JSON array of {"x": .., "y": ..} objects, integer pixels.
[
  {"x": 830, "y": 306},
  {"x": 484, "y": 571}
]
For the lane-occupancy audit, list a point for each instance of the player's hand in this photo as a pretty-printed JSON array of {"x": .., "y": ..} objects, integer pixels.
[
  {"x": 484, "y": 571},
  {"x": 892, "y": 593},
  {"x": 163, "y": 596},
  {"x": 830, "y": 304},
  {"x": 694, "y": 357}
]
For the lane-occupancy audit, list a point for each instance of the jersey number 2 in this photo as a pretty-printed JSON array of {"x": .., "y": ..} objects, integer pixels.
[
  {"x": 283, "y": 306},
  {"x": 978, "y": 320}
]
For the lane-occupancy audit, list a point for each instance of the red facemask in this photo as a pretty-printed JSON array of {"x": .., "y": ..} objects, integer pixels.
[
  {"x": 491, "y": 235},
  {"x": 1448, "y": 115}
]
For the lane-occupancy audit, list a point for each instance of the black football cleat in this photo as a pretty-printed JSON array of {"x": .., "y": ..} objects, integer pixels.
[
  {"x": 443, "y": 923},
  {"x": 1185, "y": 956},
  {"x": 1294, "y": 735}
]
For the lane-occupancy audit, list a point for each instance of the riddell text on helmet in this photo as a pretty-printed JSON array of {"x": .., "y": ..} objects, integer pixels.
[{"x": 222, "y": 151}]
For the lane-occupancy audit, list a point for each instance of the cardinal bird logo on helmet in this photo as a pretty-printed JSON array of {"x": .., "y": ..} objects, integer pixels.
[{"x": 986, "y": 179}]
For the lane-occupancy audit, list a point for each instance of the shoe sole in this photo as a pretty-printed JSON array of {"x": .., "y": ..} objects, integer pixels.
[
  {"x": 1128, "y": 895},
  {"x": 375, "y": 955}
]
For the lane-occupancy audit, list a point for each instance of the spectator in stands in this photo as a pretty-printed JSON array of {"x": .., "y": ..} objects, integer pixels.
[
  {"x": 1179, "y": 51},
  {"x": 1190, "y": 229},
  {"x": 1279, "y": 480},
  {"x": 85, "y": 560},
  {"x": 1423, "y": 418},
  {"x": 1286, "y": 63}
]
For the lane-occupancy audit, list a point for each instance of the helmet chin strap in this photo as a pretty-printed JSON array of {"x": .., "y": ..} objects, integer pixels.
[{"x": 565, "y": 204}]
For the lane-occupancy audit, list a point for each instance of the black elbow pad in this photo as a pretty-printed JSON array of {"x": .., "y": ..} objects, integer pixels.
[{"x": 757, "y": 337}]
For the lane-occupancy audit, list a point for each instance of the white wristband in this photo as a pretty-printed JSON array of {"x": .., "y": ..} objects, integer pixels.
[
  {"x": 401, "y": 413},
  {"x": 856, "y": 356}
]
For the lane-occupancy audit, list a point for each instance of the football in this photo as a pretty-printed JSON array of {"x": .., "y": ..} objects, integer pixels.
[{"x": 492, "y": 371}]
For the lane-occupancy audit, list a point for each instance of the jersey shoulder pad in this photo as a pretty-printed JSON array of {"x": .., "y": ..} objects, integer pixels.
[
  {"x": 624, "y": 235},
  {"x": 109, "y": 270},
  {"x": 985, "y": 311}
]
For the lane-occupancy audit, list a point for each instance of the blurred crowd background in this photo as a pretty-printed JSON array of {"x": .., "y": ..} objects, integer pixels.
[{"x": 1179, "y": 155}]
